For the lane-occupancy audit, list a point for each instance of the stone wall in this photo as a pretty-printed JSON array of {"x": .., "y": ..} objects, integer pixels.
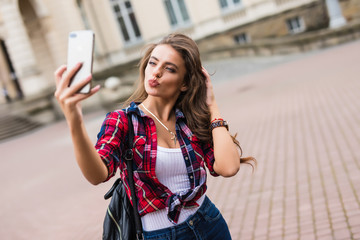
[
  {"x": 289, "y": 44},
  {"x": 350, "y": 9},
  {"x": 314, "y": 16}
]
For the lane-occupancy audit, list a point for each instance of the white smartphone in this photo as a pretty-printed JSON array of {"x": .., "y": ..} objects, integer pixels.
[{"x": 81, "y": 49}]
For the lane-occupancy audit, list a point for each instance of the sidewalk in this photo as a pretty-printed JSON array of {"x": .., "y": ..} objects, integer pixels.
[{"x": 300, "y": 119}]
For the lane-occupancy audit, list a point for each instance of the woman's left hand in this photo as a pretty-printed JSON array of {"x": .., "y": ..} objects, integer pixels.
[
  {"x": 210, "y": 96},
  {"x": 227, "y": 158}
]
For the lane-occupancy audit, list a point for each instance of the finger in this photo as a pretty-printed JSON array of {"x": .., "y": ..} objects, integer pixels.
[
  {"x": 58, "y": 74},
  {"x": 79, "y": 97},
  {"x": 67, "y": 93},
  {"x": 70, "y": 74},
  {"x": 93, "y": 91},
  {"x": 207, "y": 76},
  {"x": 205, "y": 72},
  {"x": 75, "y": 88}
]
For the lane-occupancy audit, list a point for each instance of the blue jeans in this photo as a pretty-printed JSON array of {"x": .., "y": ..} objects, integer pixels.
[{"x": 206, "y": 223}]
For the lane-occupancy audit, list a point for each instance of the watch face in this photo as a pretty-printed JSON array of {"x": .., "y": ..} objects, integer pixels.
[{"x": 219, "y": 124}]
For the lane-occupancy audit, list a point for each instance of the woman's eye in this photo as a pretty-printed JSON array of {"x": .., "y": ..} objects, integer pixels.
[
  {"x": 171, "y": 69},
  {"x": 151, "y": 63}
]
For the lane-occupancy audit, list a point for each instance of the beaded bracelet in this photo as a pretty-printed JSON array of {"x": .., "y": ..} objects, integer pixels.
[
  {"x": 217, "y": 119},
  {"x": 219, "y": 123}
]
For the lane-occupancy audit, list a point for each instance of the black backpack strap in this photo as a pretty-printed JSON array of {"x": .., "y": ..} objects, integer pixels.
[{"x": 129, "y": 155}]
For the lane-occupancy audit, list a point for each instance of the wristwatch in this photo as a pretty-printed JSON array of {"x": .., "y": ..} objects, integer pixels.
[{"x": 220, "y": 123}]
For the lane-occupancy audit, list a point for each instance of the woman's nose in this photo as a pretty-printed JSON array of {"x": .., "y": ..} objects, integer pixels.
[{"x": 157, "y": 72}]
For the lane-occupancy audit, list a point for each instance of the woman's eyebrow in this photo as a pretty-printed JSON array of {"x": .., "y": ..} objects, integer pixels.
[{"x": 167, "y": 63}]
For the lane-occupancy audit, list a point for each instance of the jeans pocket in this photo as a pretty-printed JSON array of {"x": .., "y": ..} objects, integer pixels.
[{"x": 212, "y": 213}]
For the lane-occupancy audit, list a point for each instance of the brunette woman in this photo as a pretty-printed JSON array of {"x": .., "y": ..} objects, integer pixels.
[{"x": 178, "y": 131}]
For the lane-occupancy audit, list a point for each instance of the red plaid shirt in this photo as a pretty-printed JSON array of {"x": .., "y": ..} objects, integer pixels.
[{"x": 151, "y": 194}]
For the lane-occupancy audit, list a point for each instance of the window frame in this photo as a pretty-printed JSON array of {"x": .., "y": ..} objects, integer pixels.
[
  {"x": 125, "y": 13},
  {"x": 230, "y": 5},
  {"x": 297, "y": 20},
  {"x": 242, "y": 38},
  {"x": 180, "y": 19}
]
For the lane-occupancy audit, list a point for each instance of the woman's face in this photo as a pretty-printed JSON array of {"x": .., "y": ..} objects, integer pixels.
[{"x": 164, "y": 73}]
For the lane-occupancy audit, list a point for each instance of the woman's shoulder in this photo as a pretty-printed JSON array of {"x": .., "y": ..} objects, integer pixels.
[
  {"x": 124, "y": 112},
  {"x": 116, "y": 114}
]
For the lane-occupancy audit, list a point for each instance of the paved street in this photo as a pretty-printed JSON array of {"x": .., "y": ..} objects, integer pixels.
[{"x": 299, "y": 116}]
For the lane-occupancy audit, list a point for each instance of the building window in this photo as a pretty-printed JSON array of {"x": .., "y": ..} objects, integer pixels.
[
  {"x": 83, "y": 14},
  {"x": 295, "y": 25},
  {"x": 125, "y": 17},
  {"x": 177, "y": 12},
  {"x": 229, "y": 4},
  {"x": 242, "y": 38}
]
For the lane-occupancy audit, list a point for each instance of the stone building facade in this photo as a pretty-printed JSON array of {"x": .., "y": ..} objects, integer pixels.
[{"x": 33, "y": 33}]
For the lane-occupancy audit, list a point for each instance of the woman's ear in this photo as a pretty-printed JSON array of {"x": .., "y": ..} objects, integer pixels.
[{"x": 183, "y": 88}]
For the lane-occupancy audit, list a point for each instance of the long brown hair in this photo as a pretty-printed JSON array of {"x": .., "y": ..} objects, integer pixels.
[{"x": 191, "y": 102}]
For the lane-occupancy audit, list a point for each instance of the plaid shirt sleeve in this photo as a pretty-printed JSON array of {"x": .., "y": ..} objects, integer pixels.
[
  {"x": 209, "y": 158},
  {"x": 110, "y": 141}
]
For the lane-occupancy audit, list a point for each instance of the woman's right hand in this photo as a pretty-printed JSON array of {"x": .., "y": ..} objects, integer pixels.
[{"x": 68, "y": 97}]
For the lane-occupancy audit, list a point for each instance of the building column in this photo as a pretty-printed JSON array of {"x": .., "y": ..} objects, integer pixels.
[
  {"x": 20, "y": 49},
  {"x": 335, "y": 14}
]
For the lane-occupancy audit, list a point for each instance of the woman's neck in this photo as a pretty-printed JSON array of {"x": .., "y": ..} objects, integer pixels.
[{"x": 163, "y": 110}]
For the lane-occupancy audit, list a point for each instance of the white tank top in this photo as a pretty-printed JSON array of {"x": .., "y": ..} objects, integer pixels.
[{"x": 171, "y": 171}]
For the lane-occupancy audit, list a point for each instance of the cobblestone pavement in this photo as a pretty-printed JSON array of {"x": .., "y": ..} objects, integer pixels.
[{"x": 300, "y": 119}]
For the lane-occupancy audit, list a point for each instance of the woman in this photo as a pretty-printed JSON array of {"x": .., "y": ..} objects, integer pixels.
[{"x": 178, "y": 130}]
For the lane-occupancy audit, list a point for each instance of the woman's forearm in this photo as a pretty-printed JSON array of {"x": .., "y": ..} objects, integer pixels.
[
  {"x": 69, "y": 100},
  {"x": 89, "y": 161},
  {"x": 227, "y": 157}
]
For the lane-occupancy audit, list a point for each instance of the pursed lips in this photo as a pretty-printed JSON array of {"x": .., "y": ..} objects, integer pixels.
[{"x": 153, "y": 83}]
